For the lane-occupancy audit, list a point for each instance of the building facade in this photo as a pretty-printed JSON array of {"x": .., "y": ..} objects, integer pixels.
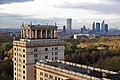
[
  {"x": 38, "y": 42},
  {"x": 69, "y": 26},
  {"x": 97, "y": 27}
]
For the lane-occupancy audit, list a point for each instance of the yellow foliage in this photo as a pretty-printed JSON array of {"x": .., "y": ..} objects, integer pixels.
[
  {"x": 10, "y": 52},
  {"x": 6, "y": 59}
]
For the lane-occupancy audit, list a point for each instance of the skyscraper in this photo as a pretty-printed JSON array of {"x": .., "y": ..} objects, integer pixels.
[
  {"x": 69, "y": 26},
  {"x": 64, "y": 29},
  {"x": 38, "y": 42},
  {"x": 106, "y": 27},
  {"x": 103, "y": 26},
  {"x": 97, "y": 27},
  {"x": 93, "y": 28}
]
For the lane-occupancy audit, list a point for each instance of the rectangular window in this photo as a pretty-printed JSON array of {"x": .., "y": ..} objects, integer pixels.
[
  {"x": 56, "y": 48},
  {"x": 56, "y": 53},
  {"x": 23, "y": 50},
  {"x": 46, "y": 75},
  {"x": 56, "y": 58},
  {"x": 35, "y": 50},
  {"x": 23, "y": 66},
  {"x": 55, "y": 78},
  {"x": 24, "y": 56},
  {"x": 41, "y": 78},
  {"x": 46, "y": 57},
  {"x": 41, "y": 73},
  {"x": 35, "y": 55},
  {"x": 50, "y": 76},
  {"x": 23, "y": 77},
  {"x": 24, "y": 72},
  {"x": 46, "y": 49},
  {"x": 23, "y": 61},
  {"x": 52, "y": 54},
  {"x": 58, "y": 78}
]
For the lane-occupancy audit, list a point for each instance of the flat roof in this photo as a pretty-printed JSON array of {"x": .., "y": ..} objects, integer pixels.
[{"x": 81, "y": 70}]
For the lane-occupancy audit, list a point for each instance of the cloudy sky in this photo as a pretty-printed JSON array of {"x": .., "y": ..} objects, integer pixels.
[{"x": 83, "y": 12}]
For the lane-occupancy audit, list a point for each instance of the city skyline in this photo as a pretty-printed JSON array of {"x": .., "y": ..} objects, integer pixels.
[{"x": 12, "y": 13}]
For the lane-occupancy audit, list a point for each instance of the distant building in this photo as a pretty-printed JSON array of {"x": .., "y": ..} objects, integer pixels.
[
  {"x": 69, "y": 26},
  {"x": 103, "y": 26},
  {"x": 64, "y": 29},
  {"x": 2, "y": 34},
  {"x": 93, "y": 28},
  {"x": 106, "y": 27},
  {"x": 97, "y": 27},
  {"x": 78, "y": 36}
]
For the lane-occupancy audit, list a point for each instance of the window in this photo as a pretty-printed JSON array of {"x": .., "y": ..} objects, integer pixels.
[
  {"x": 35, "y": 50},
  {"x": 15, "y": 53},
  {"x": 23, "y": 50},
  {"x": 52, "y": 48},
  {"x": 14, "y": 48},
  {"x": 52, "y": 58},
  {"x": 52, "y": 54},
  {"x": 46, "y": 49},
  {"x": 41, "y": 73},
  {"x": 55, "y": 78},
  {"x": 56, "y": 53},
  {"x": 46, "y": 75},
  {"x": 35, "y": 55},
  {"x": 58, "y": 78},
  {"x": 41, "y": 78},
  {"x": 23, "y": 66},
  {"x": 46, "y": 57},
  {"x": 23, "y": 77},
  {"x": 56, "y": 58},
  {"x": 23, "y": 61},
  {"x": 56, "y": 48},
  {"x": 50, "y": 76},
  {"x": 15, "y": 59},
  {"x": 24, "y": 56},
  {"x": 23, "y": 71}
]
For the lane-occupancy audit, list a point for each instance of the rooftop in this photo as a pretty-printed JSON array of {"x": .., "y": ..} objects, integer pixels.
[{"x": 87, "y": 71}]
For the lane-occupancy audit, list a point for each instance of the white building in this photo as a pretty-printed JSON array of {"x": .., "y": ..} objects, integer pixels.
[{"x": 38, "y": 42}]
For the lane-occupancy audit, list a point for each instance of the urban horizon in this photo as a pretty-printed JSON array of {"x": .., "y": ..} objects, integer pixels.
[{"x": 44, "y": 11}]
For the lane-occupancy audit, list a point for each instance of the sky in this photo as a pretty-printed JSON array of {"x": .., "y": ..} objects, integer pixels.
[{"x": 82, "y": 12}]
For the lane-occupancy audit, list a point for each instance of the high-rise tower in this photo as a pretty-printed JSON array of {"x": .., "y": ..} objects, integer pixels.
[
  {"x": 69, "y": 26},
  {"x": 93, "y": 27},
  {"x": 97, "y": 27},
  {"x": 38, "y": 42},
  {"x": 103, "y": 26}
]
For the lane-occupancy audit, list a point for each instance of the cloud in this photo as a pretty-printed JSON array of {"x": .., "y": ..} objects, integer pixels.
[
  {"x": 15, "y": 20},
  {"x": 112, "y": 8},
  {"x": 12, "y": 1}
]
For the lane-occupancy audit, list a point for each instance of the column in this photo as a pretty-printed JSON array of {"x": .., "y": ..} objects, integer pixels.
[
  {"x": 30, "y": 34},
  {"x": 33, "y": 34},
  {"x": 46, "y": 34},
  {"x": 55, "y": 34},
  {"x": 21, "y": 33},
  {"x": 51, "y": 33},
  {"x": 41, "y": 34},
  {"x": 27, "y": 34},
  {"x": 36, "y": 34}
]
